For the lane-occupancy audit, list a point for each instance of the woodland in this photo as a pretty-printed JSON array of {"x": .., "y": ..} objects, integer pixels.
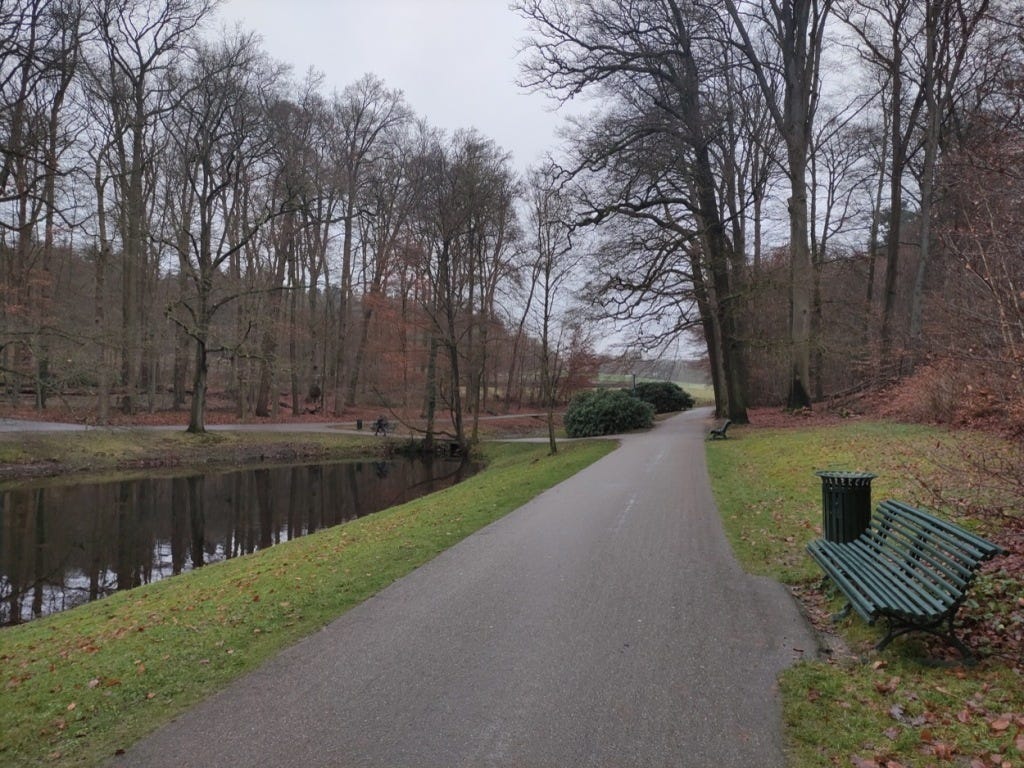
[{"x": 823, "y": 194}]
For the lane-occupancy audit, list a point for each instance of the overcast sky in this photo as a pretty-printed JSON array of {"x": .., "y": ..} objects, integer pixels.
[{"x": 455, "y": 60}]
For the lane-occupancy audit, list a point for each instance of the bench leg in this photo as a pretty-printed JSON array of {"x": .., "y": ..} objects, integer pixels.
[
  {"x": 835, "y": 618},
  {"x": 896, "y": 629}
]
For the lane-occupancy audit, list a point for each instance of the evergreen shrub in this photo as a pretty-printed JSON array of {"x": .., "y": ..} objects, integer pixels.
[
  {"x": 606, "y": 412},
  {"x": 665, "y": 396}
]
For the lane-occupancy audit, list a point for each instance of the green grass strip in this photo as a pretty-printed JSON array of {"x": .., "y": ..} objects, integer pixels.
[
  {"x": 895, "y": 708},
  {"x": 770, "y": 499},
  {"x": 80, "y": 685},
  {"x": 74, "y": 455}
]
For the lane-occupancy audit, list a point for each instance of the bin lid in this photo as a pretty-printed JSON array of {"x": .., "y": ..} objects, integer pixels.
[{"x": 842, "y": 477}]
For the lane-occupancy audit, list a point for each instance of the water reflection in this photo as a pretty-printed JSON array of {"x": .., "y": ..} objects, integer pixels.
[{"x": 61, "y": 546}]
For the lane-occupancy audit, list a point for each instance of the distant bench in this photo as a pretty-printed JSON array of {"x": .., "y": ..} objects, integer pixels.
[
  {"x": 909, "y": 567},
  {"x": 718, "y": 433}
]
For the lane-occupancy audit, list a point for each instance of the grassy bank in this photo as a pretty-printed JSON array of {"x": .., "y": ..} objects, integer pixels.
[
  {"x": 79, "y": 686},
  {"x": 106, "y": 450},
  {"x": 896, "y": 708}
]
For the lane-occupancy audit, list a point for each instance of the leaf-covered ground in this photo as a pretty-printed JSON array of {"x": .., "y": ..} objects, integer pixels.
[{"x": 913, "y": 704}]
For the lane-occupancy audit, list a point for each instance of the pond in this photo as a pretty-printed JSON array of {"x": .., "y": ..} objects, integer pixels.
[{"x": 63, "y": 545}]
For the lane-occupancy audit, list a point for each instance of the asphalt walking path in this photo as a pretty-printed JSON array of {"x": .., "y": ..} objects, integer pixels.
[{"x": 605, "y": 623}]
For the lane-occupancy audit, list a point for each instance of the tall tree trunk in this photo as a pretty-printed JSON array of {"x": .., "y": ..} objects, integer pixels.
[
  {"x": 181, "y": 339},
  {"x": 801, "y": 273},
  {"x": 293, "y": 341},
  {"x": 430, "y": 403},
  {"x": 100, "y": 298},
  {"x": 898, "y": 147},
  {"x": 197, "y": 413},
  {"x": 924, "y": 247},
  {"x": 364, "y": 339},
  {"x": 876, "y": 220},
  {"x": 344, "y": 302},
  {"x": 712, "y": 334}
]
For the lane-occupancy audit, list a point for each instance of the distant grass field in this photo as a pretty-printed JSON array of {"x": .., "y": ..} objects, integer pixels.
[{"x": 703, "y": 394}]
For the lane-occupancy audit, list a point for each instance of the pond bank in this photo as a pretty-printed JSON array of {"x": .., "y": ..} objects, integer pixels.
[
  {"x": 81, "y": 685},
  {"x": 100, "y": 451}
]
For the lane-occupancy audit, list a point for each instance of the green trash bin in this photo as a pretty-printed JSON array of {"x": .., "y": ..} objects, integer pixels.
[{"x": 845, "y": 504}]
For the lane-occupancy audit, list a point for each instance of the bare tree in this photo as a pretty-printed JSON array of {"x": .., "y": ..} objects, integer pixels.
[
  {"x": 220, "y": 136},
  {"x": 364, "y": 113},
  {"x": 951, "y": 52},
  {"x": 796, "y": 31},
  {"x": 390, "y": 197},
  {"x": 653, "y": 150},
  {"x": 40, "y": 51},
  {"x": 554, "y": 261},
  {"x": 139, "y": 42}
]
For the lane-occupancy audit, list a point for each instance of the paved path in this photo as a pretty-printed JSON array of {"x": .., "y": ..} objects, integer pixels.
[{"x": 603, "y": 624}]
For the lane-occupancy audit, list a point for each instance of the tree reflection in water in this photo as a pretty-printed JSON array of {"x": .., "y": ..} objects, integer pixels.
[{"x": 64, "y": 545}]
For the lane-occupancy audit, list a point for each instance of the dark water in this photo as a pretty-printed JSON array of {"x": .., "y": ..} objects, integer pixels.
[{"x": 61, "y": 546}]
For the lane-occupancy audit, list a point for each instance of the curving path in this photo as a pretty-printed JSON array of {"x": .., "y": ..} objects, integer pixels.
[{"x": 603, "y": 624}]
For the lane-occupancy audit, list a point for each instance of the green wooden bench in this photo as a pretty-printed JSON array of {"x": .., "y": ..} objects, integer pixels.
[
  {"x": 718, "y": 433},
  {"x": 908, "y": 567}
]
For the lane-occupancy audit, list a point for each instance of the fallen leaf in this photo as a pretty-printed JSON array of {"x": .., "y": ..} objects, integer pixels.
[
  {"x": 887, "y": 687},
  {"x": 964, "y": 716},
  {"x": 813, "y": 695},
  {"x": 1000, "y": 725},
  {"x": 860, "y": 762},
  {"x": 150, "y": 695},
  {"x": 72, "y": 706},
  {"x": 943, "y": 751},
  {"x": 892, "y": 733},
  {"x": 94, "y": 682}
]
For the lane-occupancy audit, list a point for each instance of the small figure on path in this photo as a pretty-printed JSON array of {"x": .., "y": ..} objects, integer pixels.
[{"x": 380, "y": 426}]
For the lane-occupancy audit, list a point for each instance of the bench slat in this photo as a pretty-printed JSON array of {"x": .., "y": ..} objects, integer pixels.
[
  {"x": 859, "y": 600},
  {"x": 891, "y": 588},
  {"x": 920, "y": 558},
  {"x": 960, "y": 539},
  {"x": 915, "y": 593}
]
